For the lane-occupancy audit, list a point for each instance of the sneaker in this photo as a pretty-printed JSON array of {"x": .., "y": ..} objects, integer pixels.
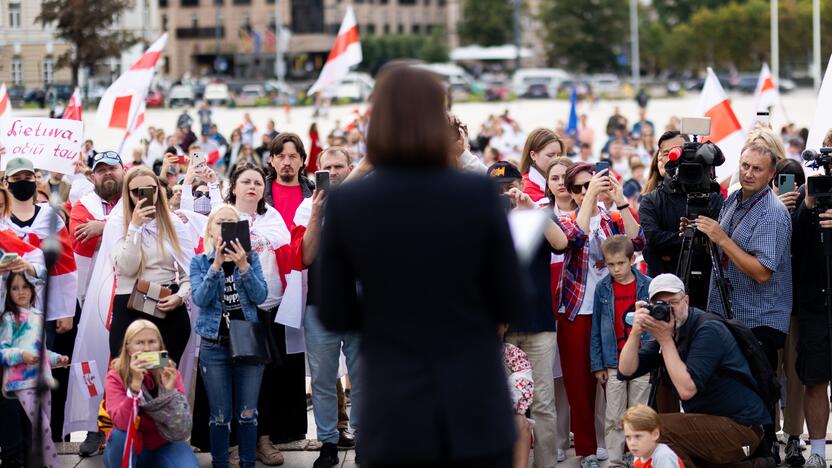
[
  {"x": 793, "y": 455},
  {"x": 328, "y": 457},
  {"x": 91, "y": 446},
  {"x": 602, "y": 454},
  {"x": 561, "y": 456},
  {"x": 590, "y": 461},
  {"x": 815, "y": 461},
  {"x": 345, "y": 439}
]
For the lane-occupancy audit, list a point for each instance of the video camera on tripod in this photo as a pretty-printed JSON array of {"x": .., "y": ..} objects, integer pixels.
[{"x": 691, "y": 170}]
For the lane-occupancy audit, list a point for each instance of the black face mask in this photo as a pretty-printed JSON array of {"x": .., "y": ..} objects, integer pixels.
[{"x": 22, "y": 189}]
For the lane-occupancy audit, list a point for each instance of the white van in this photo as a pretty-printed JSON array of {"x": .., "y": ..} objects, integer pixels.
[
  {"x": 458, "y": 79},
  {"x": 551, "y": 78},
  {"x": 355, "y": 87},
  {"x": 216, "y": 94}
]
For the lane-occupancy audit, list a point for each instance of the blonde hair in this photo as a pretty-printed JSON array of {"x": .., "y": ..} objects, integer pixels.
[
  {"x": 122, "y": 363},
  {"x": 641, "y": 418},
  {"x": 7, "y": 202},
  {"x": 538, "y": 139},
  {"x": 166, "y": 230},
  {"x": 764, "y": 140},
  {"x": 208, "y": 239}
]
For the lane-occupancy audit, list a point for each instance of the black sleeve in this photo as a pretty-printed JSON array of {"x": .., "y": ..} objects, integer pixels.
[
  {"x": 501, "y": 276},
  {"x": 660, "y": 240},
  {"x": 648, "y": 359},
  {"x": 716, "y": 205},
  {"x": 339, "y": 309}
]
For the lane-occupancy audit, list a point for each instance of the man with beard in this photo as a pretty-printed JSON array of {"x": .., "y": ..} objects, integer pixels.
[
  {"x": 86, "y": 225},
  {"x": 286, "y": 186}
]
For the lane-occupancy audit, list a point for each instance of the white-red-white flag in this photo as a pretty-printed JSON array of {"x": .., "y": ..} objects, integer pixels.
[
  {"x": 823, "y": 118},
  {"x": 345, "y": 53},
  {"x": 73, "y": 107},
  {"x": 5, "y": 102},
  {"x": 726, "y": 130},
  {"x": 122, "y": 104},
  {"x": 766, "y": 94}
]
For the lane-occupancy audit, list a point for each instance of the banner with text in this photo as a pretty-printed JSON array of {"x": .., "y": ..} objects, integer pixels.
[{"x": 51, "y": 144}]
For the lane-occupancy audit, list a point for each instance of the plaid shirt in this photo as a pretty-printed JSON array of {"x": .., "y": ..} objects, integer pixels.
[
  {"x": 761, "y": 226},
  {"x": 584, "y": 248}
]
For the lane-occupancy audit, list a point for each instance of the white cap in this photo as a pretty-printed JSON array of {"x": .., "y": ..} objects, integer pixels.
[{"x": 666, "y": 283}]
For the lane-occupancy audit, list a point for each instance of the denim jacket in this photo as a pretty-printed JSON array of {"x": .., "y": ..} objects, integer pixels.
[
  {"x": 603, "y": 345},
  {"x": 207, "y": 289}
]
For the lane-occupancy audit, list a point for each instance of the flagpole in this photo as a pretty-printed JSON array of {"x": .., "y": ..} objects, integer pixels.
[
  {"x": 775, "y": 43},
  {"x": 816, "y": 43},
  {"x": 278, "y": 50},
  {"x": 635, "y": 59}
]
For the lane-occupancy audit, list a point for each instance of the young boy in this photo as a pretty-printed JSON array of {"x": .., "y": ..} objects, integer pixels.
[
  {"x": 642, "y": 430},
  {"x": 613, "y": 308}
]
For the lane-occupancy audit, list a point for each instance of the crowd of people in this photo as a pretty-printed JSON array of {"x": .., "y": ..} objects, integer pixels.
[{"x": 198, "y": 280}]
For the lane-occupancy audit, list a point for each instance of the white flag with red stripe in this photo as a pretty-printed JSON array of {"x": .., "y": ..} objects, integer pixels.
[
  {"x": 5, "y": 102},
  {"x": 345, "y": 53},
  {"x": 73, "y": 108},
  {"x": 823, "y": 118},
  {"x": 726, "y": 131},
  {"x": 86, "y": 377},
  {"x": 766, "y": 95},
  {"x": 122, "y": 105}
]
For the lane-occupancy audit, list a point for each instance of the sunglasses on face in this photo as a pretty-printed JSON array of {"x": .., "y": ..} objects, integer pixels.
[
  {"x": 577, "y": 189},
  {"x": 137, "y": 192}
]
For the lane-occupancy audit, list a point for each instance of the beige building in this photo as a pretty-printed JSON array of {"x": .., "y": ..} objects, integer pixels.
[{"x": 28, "y": 52}]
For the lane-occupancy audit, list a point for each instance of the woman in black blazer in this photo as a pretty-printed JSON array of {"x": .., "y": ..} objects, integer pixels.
[{"x": 418, "y": 259}]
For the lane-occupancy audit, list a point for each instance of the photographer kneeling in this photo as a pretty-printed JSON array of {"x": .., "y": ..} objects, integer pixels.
[{"x": 723, "y": 419}]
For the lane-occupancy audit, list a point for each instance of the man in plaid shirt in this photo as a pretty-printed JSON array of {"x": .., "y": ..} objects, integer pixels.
[{"x": 753, "y": 235}]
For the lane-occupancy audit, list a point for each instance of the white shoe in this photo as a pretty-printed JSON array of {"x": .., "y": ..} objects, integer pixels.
[
  {"x": 815, "y": 461},
  {"x": 602, "y": 454},
  {"x": 561, "y": 456}
]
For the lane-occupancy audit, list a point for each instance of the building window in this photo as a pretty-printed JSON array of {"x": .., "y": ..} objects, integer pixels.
[
  {"x": 194, "y": 21},
  {"x": 308, "y": 17},
  {"x": 163, "y": 3},
  {"x": 14, "y": 15},
  {"x": 190, "y": 3},
  {"x": 371, "y": 28},
  {"x": 242, "y": 2},
  {"x": 382, "y": 2},
  {"x": 48, "y": 70},
  {"x": 407, "y": 2},
  {"x": 386, "y": 28},
  {"x": 164, "y": 22},
  {"x": 427, "y": 2},
  {"x": 17, "y": 71},
  {"x": 401, "y": 28},
  {"x": 417, "y": 29}
]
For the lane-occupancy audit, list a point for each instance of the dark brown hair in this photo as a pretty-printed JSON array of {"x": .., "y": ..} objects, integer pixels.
[
  {"x": 276, "y": 147},
  {"x": 238, "y": 171},
  {"x": 10, "y": 305},
  {"x": 572, "y": 172},
  {"x": 409, "y": 124},
  {"x": 618, "y": 244}
]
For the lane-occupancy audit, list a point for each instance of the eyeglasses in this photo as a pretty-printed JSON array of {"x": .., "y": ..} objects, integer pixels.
[
  {"x": 577, "y": 189},
  {"x": 138, "y": 190}
]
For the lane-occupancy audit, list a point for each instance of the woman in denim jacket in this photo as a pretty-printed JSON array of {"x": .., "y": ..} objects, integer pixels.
[{"x": 227, "y": 281}]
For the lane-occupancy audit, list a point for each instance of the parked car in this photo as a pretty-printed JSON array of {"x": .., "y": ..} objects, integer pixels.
[
  {"x": 154, "y": 98},
  {"x": 35, "y": 95},
  {"x": 604, "y": 83},
  {"x": 216, "y": 94},
  {"x": 551, "y": 78},
  {"x": 282, "y": 92},
  {"x": 249, "y": 95},
  {"x": 537, "y": 91},
  {"x": 16, "y": 94},
  {"x": 355, "y": 87},
  {"x": 747, "y": 82},
  {"x": 181, "y": 95},
  {"x": 461, "y": 83}
]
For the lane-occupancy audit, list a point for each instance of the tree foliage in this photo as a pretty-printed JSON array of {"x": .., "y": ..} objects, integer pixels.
[
  {"x": 88, "y": 26},
  {"x": 486, "y": 22},
  {"x": 673, "y": 12},
  {"x": 378, "y": 50},
  {"x": 585, "y": 35}
]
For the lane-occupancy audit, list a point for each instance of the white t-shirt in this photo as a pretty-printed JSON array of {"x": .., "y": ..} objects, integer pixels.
[{"x": 662, "y": 457}]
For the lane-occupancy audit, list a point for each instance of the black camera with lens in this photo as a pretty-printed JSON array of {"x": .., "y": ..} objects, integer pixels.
[
  {"x": 820, "y": 187},
  {"x": 659, "y": 311}
]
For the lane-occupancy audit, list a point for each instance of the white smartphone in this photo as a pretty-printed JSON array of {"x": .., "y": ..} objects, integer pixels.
[
  {"x": 8, "y": 258},
  {"x": 764, "y": 117},
  {"x": 198, "y": 160}
]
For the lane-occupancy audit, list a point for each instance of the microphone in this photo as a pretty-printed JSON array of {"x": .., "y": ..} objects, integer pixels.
[{"x": 675, "y": 153}]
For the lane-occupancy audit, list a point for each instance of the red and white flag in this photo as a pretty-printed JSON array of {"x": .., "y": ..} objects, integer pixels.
[
  {"x": 726, "y": 131},
  {"x": 823, "y": 118},
  {"x": 73, "y": 107},
  {"x": 85, "y": 374},
  {"x": 766, "y": 94},
  {"x": 121, "y": 109},
  {"x": 345, "y": 53},
  {"x": 5, "y": 102}
]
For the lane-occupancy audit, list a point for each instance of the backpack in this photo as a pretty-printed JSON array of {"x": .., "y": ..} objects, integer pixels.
[{"x": 765, "y": 385}]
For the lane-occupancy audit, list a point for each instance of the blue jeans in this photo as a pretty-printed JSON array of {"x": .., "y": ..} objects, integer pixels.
[
  {"x": 222, "y": 378},
  {"x": 323, "y": 349},
  {"x": 170, "y": 455}
]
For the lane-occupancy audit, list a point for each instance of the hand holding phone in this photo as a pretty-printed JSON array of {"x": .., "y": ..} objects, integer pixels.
[
  {"x": 322, "y": 181},
  {"x": 785, "y": 183},
  {"x": 601, "y": 166},
  {"x": 155, "y": 359},
  {"x": 7, "y": 258},
  {"x": 146, "y": 194}
]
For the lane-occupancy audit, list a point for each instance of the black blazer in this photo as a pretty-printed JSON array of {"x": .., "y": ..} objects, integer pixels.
[{"x": 421, "y": 263}]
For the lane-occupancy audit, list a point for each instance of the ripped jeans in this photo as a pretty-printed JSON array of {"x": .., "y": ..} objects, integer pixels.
[{"x": 222, "y": 379}]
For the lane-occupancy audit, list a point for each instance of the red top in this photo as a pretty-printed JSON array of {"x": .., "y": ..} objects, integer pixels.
[
  {"x": 120, "y": 407},
  {"x": 314, "y": 151},
  {"x": 532, "y": 189},
  {"x": 625, "y": 301},
  {"x": 286, "y": 202}
]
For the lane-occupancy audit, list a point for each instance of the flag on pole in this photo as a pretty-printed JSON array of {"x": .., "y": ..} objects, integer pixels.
[
  {"x": 766, "y": 94},
  {"x": 572, "y": 126},
  {"x": 726, "y": 131},
  {"x": 123, "y": 102},
  {"x": 73, "y": 107},
  {"x": 5, "y": 102},
  {"x": 823, "y": 119},
  {"x": 345, "y": 53}
]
